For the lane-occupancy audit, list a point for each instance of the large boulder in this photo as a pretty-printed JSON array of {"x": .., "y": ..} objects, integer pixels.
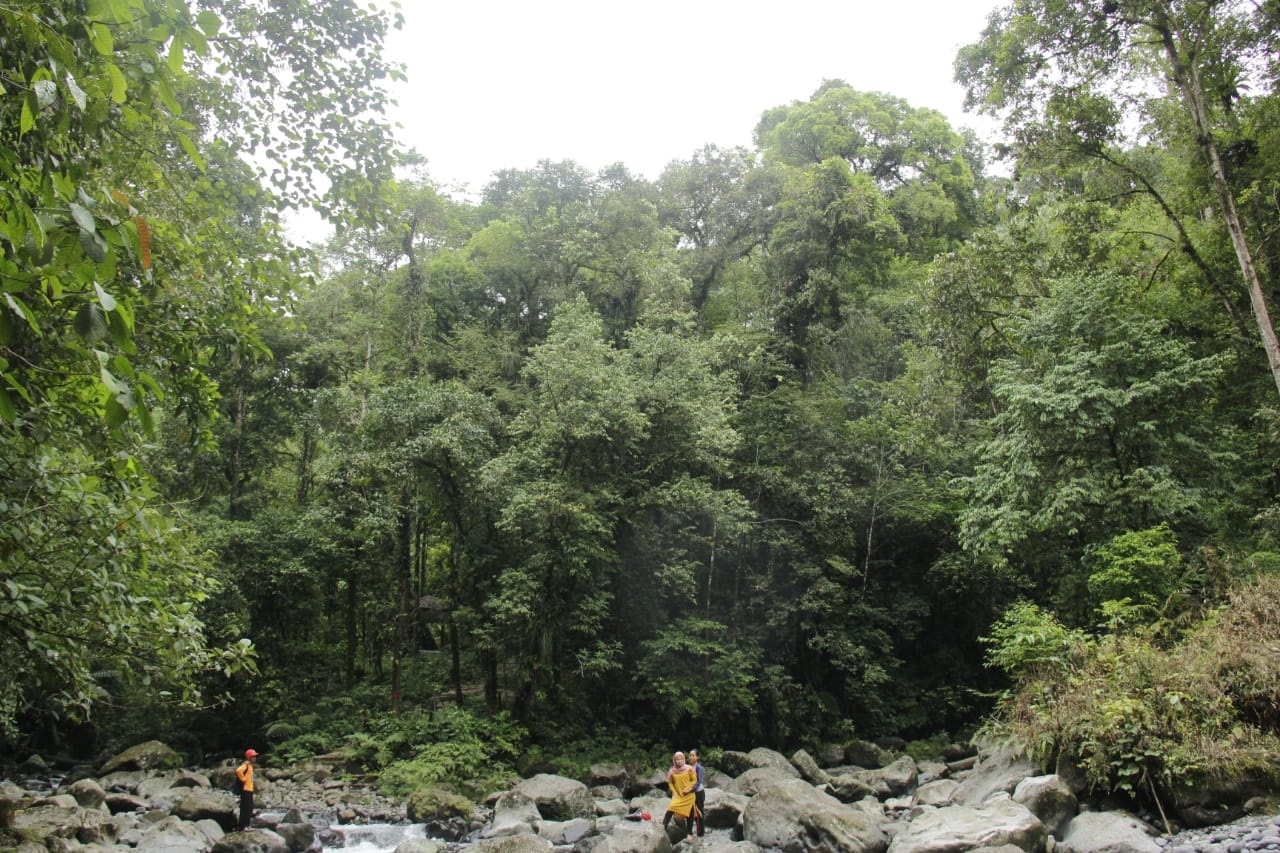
[
  {"x": 515, "y": 813},
  {"x": 867, "y": 755},
  {"x": 896, "y": 779},
  {"x": 793, "y": 809},
  {"x": 201, "y": 804},
  {"x": 935, "y": 793},
  {"x": 1107, "y": 832},
  {"x": 724, "y": 808},
  {"x": 558, "y": 797},
  {"x": 998, "y": 769},
  {"x": 809, "y": 769},
  {"x": 764, "y": 757},
  {"x": 999, "y": 822},
  {"x": 1050, "y": 798},
  {"x": 751, "y": 782},
  {"x": 151, "y": 755},
  {"x": 88, "y": 794},
  {"x": 436, "y": 802},
  {"x": 512, "y": 844},
  {"x": 174, "y": 834},
  {"x": 613, "y": 775},
  {"x": 253, "y": 841},
  {"x": 646, "y": 836},
  {"x": 62, "y": 818}
]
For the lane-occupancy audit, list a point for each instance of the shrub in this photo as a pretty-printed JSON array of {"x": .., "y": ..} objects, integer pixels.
[{"x": 1139, "y": 719}]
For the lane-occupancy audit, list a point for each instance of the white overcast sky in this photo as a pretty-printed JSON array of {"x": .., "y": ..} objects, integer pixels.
[{"x": 496, "y": 84}]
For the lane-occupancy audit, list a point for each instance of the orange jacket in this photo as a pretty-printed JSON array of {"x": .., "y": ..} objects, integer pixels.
[{"x": 245, "y": 774}]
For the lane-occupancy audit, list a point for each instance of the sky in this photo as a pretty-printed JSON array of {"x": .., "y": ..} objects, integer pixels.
[{"x": 499, "y": 84}]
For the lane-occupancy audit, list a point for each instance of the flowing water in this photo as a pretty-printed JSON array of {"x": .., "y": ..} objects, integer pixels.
[{"x": 370, "y": 838}]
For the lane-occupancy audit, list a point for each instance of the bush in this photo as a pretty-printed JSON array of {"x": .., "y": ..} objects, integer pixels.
[{"x": 1137, "y": 718}]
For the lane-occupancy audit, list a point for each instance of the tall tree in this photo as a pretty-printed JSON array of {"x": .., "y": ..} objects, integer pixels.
[{"x": 1072, "y": 67}]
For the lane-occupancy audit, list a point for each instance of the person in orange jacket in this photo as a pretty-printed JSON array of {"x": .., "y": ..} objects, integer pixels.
[{"x": 244, "y": 774}]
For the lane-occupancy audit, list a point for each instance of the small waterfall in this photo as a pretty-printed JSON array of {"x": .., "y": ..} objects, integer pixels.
[{"x": 371, "y": 837}]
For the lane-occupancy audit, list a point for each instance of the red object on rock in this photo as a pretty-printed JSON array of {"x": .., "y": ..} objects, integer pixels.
[{"x": 646, "y": 816}]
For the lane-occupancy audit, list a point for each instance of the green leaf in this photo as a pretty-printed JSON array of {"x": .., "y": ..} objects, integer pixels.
[
  {"x": 103, "y": 41},
  {"x": 89, "y": 323},
  {"x": 7, "y": 410},
  {"x": 177, "y": 49},
  {"x": 77, "y": 94},
  {"x": 192, "y": 151},
  {"x": 107, "y": 301},
  {"x": 118, "y": 86},
  {"x": 28, "y": 119},
  {"x": 83, "y": 218},
  {"x": 209, "y": 22}
]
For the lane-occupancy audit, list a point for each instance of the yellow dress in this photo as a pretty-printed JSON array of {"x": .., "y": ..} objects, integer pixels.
[{"x": 682, "y": 805}]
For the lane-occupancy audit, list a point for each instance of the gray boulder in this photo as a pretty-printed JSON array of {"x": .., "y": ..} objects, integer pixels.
[
  {"x": 253, "y": 841},
  {"x": 809, "y": 769},
  {"x": 999, "y": 769},
  {"x": 62, "y": 821},
  {"x": 1050, "y": 798},
  {"x": 724, "y": 808},
  {"x": 515, "y": 813},
  {"x": 173, "y": 834},
  {"x": 896, "y": 779},
  {"x": 151, "y": 755},
  {"x": 1107, "y": 832},
  {"x": 88, "y": 794},
  {"x": 644, "y": 836},
  {"x": 764, "y": 757},
  {"x": 199, "y": 804},
  {"x": 999, "y": 822},
  {"x": 565, "y": 832},
  {"x": 866, "y": 754},
  {"x": 421, "y": 845},
  {"x": 558, "y": 797},
  {"x": 512, "y": 844},
  {"x": 935, "y": 793},
  {"x": 793, "y": 809},
  {"x": 614, "y": 775},
  {"x": 751, "y": 782}
]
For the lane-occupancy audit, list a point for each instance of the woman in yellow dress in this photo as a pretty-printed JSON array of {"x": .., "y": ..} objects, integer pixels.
[{"x": 682, "y": 780}]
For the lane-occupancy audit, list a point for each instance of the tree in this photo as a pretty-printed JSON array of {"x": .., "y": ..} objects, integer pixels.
[{"x": 1078, "y": 68}]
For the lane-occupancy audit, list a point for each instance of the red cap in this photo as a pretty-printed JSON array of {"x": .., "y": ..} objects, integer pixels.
[
  {"x": 250, "y": 753},
  {"x": 646, "y": 816}
]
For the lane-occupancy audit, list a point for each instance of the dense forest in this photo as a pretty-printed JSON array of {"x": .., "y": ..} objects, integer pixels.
[{"x": 868, "y": 429}]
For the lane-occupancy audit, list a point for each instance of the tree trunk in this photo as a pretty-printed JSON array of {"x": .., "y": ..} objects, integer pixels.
[{"x": 1187, "y": 78}]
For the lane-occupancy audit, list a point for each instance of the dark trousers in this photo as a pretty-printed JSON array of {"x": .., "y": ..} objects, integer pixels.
[
  {"x": 246, "y": 810},
  {"x": 700, "y": 798}
]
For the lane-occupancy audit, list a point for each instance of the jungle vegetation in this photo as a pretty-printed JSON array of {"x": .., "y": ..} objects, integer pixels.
[{"x": 867, "y": 429}]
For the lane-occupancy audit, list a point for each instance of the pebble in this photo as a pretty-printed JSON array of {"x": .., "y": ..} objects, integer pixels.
[{"x": 1251, "y": 834}]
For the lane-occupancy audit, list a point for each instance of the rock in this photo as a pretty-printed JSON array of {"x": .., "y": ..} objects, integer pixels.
[
  {"x": 151, "y": 755},
  {"x": 866, "y": 754},
  {"x": 198, "y": 804},
  {"x": 253, "y": 841},
  {"x": 565, "y": 832},
  {"x": 514, "y": 814},
  {"x": 605, "y": 792},
  {"x": 829, "y": 754},
  {"x": 609, "y": 774},
  {"x": 1000, "y": 769},
  {"x": 724, "y": 808},
  {"x": 512, "y": 844},
  {"x": 558, "y": 797},
  {"x": 793, "y": 809},
  {"x": 421, "y": 845},
  {"x": 174, "y": 834},
  {"x": 298, "y": 836},
  {"x": 88, "y": 794},
  {"x": 999, "y": 822},
  {"x": 763, "y": 757},
  {"x": 850, "y": 788},
  {"x": 65, "y": 821},
  {"x": 809, "y": 769},
  {"x": 646, "y": 836},
  {"x": 1107, "y": 832},
  {"x": 750, "y": 783},
  {"x": 895, "y": 779},
  {"x": 935, "y": 793},
  {"x": 1050, "y": 798},
  {"x": 438, "y": 802}
]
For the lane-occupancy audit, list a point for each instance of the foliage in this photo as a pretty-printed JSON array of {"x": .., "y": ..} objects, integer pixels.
[{"x": 1144, "y": 721}]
